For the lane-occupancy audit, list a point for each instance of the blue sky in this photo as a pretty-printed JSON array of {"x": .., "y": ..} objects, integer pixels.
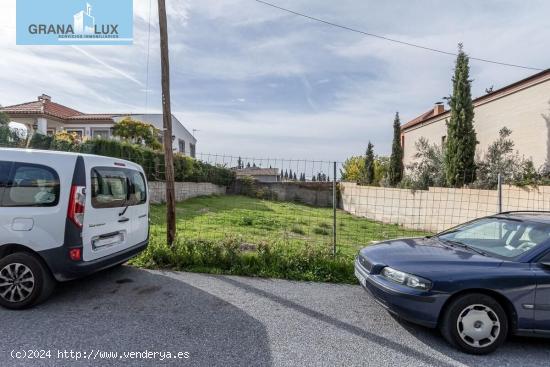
[{"x": 261, "y": 83}]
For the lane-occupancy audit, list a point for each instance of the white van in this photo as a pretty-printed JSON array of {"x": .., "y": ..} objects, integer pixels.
[{"x": 63, "y": 216}]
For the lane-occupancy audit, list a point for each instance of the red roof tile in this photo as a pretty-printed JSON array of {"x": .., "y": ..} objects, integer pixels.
[
  {"x": 96, "y": 116},
  {"x": 44, "y": 106}
]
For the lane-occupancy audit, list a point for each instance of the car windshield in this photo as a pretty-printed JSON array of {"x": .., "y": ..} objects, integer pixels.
[{"x": 498, "y": 236}]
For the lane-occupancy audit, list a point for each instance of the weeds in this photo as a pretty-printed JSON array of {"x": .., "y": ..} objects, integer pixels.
[{"x": 309, "y": 263}]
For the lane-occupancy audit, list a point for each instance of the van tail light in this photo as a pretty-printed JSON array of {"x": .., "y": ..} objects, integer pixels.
[
  {"x": 77, "y": 204},
  {"x": 75, "y": 254}
]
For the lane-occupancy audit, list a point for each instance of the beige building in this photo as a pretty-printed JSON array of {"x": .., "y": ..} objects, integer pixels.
[{"x": 523, "y": 107}]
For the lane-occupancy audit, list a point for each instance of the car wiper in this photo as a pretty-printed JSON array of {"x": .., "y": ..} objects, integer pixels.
[{"x": 465, "y": 246}]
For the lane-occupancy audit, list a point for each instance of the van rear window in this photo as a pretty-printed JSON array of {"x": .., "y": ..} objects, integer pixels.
[{"x": 117, "y": 187}]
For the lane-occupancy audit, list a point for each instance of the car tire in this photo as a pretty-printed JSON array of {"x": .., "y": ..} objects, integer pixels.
[
  {"x": 475, "y": 323},
  {"x": 24, "y": 281}
]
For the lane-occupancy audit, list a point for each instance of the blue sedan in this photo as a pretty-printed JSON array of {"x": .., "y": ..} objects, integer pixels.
[{"x": 477, "y": 283}]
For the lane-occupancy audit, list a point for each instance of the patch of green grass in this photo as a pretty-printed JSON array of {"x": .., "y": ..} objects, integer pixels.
[
  {"x": 321, "y": 231},
  {"x": 235, "y": 234},
  {"x": 297, "y": 230}
]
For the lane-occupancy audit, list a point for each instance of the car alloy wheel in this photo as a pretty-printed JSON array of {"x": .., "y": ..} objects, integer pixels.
[{"x": 16, "y": 282}]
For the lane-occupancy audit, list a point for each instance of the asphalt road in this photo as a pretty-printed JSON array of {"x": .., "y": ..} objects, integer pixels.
[{"x": 229, "y": 321}]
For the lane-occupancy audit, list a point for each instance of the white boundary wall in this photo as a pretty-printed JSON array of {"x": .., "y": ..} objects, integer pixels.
[
  {"x": 437, "y": 208},
  {"x": 184, "y": 190}
]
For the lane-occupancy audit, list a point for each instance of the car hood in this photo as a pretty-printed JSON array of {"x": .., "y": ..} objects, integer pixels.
[{"x": 423, "y": 256}]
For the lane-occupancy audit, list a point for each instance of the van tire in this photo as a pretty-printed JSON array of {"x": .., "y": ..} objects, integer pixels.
[{"x": 30, "y": 267}]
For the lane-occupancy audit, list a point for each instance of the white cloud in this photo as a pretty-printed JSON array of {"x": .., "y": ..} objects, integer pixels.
[{"x": 259, "y": 82}]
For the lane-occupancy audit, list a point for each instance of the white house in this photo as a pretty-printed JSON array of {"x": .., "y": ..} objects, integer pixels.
[{"x": 48, "y": 117}]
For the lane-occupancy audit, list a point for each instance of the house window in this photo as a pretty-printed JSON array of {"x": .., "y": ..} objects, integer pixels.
[
  {"x": 181, "y": 146},
  {"x": 101, "y": 134},
  {"x": 192, "y": 148}
]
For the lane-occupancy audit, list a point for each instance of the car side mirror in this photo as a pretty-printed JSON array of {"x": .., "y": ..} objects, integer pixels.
[{"x": 546, "y": 264}]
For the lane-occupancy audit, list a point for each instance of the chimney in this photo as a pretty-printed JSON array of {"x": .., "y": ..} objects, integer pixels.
[
  {"x": 439, "y": 108},
  {"x": 44, "y": 98}
]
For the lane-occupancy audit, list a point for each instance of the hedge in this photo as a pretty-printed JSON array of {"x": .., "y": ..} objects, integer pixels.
[{"x": 186, "y": 169}]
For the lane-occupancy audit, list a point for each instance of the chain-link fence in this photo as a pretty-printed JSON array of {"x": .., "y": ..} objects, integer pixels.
[{"x": 302, "y": 202}]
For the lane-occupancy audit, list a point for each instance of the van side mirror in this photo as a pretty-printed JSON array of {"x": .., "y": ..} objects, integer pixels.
[{"x": 546, "y": 264}]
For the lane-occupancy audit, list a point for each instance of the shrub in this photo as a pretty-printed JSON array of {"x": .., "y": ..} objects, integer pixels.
[
  {"x": 501, "y": 158},
  {"x": 40, "y": 141},
  {"x": 186, "y": 169},
  {"x": 309, "y": 263},
  {"x": 249, "y": 187},
  {"x": 138, "y": 132},
  {"x": 428, "y": 169}
]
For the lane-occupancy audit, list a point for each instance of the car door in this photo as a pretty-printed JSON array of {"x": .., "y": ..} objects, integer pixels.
[
  {"x": 5, "y": 216},
  {"x": 138, "y": 208},
  {"x": 542, "y": 297},
  {"x": 107, "y": 227}
]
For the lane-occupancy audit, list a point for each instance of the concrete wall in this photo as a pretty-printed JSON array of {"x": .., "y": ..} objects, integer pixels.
[
  {"x": 522, "y": 111},
  {"x": 184, "y": 190},
  {"x": 438, "y": 208},
  {"x": 312, "y": 193}
]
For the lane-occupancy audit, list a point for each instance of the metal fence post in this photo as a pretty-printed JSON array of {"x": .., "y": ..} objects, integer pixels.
[
  {"x": 334, "y": 211},
  {"x": 499, "y": 193}
]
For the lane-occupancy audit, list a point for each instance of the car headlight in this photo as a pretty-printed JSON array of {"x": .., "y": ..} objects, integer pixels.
[{"x": 406, "y": 279}]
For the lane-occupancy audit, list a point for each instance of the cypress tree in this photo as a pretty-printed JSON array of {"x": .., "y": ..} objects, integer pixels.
[
  {"x": 395, "y": 173},
  {"x": 369, "y": 164},
  {"x": 460, "y": 147}
]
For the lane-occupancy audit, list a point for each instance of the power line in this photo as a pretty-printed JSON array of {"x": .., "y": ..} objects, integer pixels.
[{"x": 391, "y": 39}]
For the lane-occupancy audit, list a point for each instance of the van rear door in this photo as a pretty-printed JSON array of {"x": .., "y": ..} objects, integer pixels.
[{"x": 116, "y": 215}]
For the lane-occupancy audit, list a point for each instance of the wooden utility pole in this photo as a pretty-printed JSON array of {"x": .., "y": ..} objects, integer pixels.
[{"x": 167, "y": 124}]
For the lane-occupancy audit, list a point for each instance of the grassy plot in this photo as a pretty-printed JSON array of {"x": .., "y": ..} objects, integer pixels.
[{"x": 242, "y": 235}]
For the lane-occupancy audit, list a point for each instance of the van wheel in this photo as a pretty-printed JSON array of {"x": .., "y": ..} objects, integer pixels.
[
  {"x": 24, "y": 281},
  {"x": 475, "y": 323}
]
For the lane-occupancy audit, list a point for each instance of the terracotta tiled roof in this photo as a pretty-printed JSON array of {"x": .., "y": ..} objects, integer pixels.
[
  {"x": 44, "y": 106},
  {"x": 96, "y": 116},
  {"x": 511, "y": 88},
  {"x": 425, "y": 116}
]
